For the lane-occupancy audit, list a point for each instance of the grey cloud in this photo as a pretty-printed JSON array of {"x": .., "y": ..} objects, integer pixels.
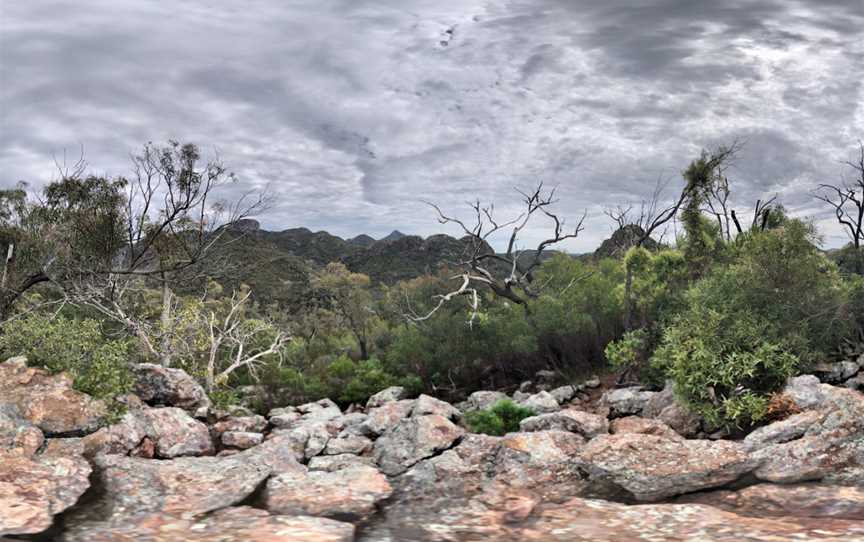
[{"x": 352, "y": 111}]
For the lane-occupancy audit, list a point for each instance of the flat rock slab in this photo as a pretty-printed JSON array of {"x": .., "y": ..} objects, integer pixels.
[
  {"x": 349, "y": 494},
  {"x": 652, "y": 468},
  {"x": 412, "y": 440}
]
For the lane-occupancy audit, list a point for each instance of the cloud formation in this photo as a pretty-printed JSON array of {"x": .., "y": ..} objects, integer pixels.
[{"x": 353, "y": 111}]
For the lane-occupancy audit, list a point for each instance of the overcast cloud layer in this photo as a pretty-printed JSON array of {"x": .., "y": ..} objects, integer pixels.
[{"x": 353, "y": 111}]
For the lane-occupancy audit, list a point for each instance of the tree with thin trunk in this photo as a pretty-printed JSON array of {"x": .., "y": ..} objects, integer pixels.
[
  {"x": 508, "y": 275},
  {"x": 348, "y": 295}
]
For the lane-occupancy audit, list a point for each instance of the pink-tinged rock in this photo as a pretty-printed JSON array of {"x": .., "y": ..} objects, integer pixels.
[
  {"x": 332, "y": 463},
  {"x": 348, "y": 445},
  {"x": 813, "y": 500},
  {"x": 385, "y": 417},
  {"x": 429, "y": 405},
  {"x": 482, "y": 400},
  {"x": 351, "y": 493},
  {"x": 644, "y": 426},
  {"x": 241, "y": 439},
  {"x": 544, "y": 461},
  {"x": 651, "y": 468},
  {"x": 586, "y": 424},
  {"x": 35, "y": 489},
  {"x": 234, "y": 524},
  {"x": 137, "y": 495},
  {"x": 177, "y": 434},
  {"x": 393, "y": 393},
  {"x": 413, "y": 439},
  {"x": 48, "y": 401},
  {"x": 157, "y": 385},
  {"x": 626, "y": 401},
  {"x": 243, "y": 424},
  {"x": 541, "y": 402}
]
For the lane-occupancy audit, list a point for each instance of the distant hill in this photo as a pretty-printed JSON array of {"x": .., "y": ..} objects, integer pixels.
[
  {"x": 621, "y": 241},
  {"x": 395, "y": 235}
]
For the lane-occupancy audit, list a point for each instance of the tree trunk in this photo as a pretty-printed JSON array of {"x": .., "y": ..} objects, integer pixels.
[
  {"x": 628, "y": 299},
  {"x": 165, "y": 320}
]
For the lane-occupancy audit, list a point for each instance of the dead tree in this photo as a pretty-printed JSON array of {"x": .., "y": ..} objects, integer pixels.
[
  {"x": 847, "y": 200},
  {"x": 652, "y": 216},
  {"x": 509, "y": 275}
]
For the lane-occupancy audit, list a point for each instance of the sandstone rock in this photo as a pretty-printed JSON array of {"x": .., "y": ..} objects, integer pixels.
[
  {"x": 482, "y": 400},
  {"x": 543, "y": 461},
  {"x": 429, "y": 405},
  {"x": 586, "y": 424},
  {"x": 48, "y": 401},
  {"x": 666, "y": 408},
  {"x": 241, "y": 439},
  {"x": 285, "y": 420},
  {"x": 244, "y": 424},
  {"x": 541, "y": 402},
  {"x": 626, "y": 401},
  {"x": 121, "y": 438},
  {"x": 393, "y": 393},
  {"x": 319, "y": 411},
  {"x": 17, "y": 433},
  {"x": 137, "y": 494},
  {"x": 281, "y": 411},
  {"x": 413, "y": 439},
  {"x": 338, "y": 462},
  {"x": 234, "y": 524},
  {"x": 176, "y": 433},
  {"x": 652, "y": 468},
  {"x": 645, "y": 426},
  {"x": 856, "y": 383},
  {"x": 350, "y": 493},
  {"x": 348, "y": 445},
  {"x": 799, "y": 500},
  {"x": 825, "y": 443},
  {"x": 385, "y": 417},
  {"x": 354, "y": 418},
  {"x": 34, "y": 489},
  {"x": 593, "y": 382},
  {"x": 157, "y": 385}
]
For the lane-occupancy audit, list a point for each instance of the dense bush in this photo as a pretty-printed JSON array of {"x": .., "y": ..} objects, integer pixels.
[
  {"x": 749, "y": 325},
  {"x": 99, "y": 366},
  {"x": 501, "y": 418}
]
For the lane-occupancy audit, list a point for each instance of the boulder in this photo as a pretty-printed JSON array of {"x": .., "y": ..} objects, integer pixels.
[
  {"x": 286, "y": 419},
  {"x": 644, "y": 426},
  {"x": 541, "y": 402},
  {"x": 824, "y": 442},
  {"x": 338, "y": 462},
  {"x": 241, "y": 439},
  {"x": 626, "y": 401},
  {"x": 564, "y": 394},
  {"x": 666, "y": 408},
  {"x": 348, "y": 445},
  {"x": 122, "y": 438},
  {"x": 319, "y": 411},
  {"x": 158, "y": 385},
  {"x": 412, "y": 440},
  {"x": 384, "y": 418},
  {"x": 482, "y": 400},
  {"x": 35, "y": 489},
  {"x": 429, "y": 405},
  {"x": 348, "y": 494},
  {"x": 177, "y": 434},
  {"x": 586, "y": 424},
  {"x": 393, "y": 393},
  {"x": 542, "y": 461},
  {"x": 137, "y": 494},
  {"x": 243, "y": 424},
  {"x": 651, "y": 467},
  {"x": 48, "y": 401}
]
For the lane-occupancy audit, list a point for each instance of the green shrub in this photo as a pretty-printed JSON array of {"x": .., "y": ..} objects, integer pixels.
[
  {"x": 501, "y": 418},
  {"x": 98, "y": 366}
]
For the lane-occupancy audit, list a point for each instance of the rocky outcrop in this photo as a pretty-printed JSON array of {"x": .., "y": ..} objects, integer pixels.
[
  {"x": 393, "y": 393},
  {"x": 48, "y": 401},
  {"x": 651, "y": 467},
  {"x": 176, "y": 434},
  {"x": 824, "y": 442},
  {"x": 351, "y": 493},
  {"x": 413, "y": 439},
  {"x": 586, "y": 424},
  {"x": 34, "y": 489},
  {"x": 626, "y": 401},
  {"x": 161, "y": 386}
]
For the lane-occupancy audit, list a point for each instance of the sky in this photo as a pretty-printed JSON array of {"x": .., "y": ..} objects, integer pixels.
[{"x": 352, "y": 113}]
